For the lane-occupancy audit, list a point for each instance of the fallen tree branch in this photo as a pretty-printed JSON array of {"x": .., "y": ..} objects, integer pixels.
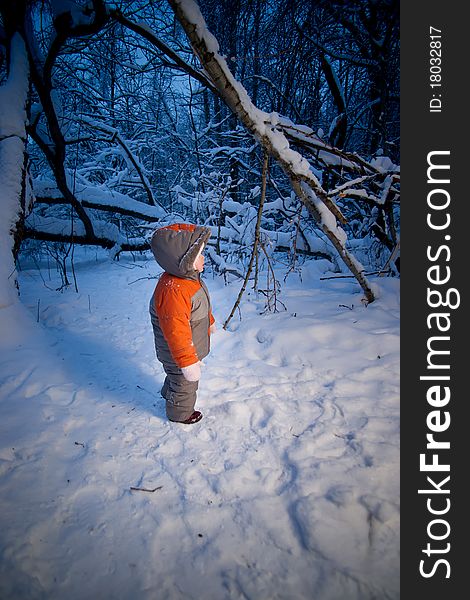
[
  {"x": 85, "y": 240},
  {"x": 381, "y": 272},
  {"x": 143, "y": 214},
  {"x": 141, "y": 489}
]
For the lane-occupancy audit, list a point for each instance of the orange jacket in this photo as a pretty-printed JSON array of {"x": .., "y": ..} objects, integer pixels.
[
  {"x": 180, "y": 307},
  {"x": 173, "y": 304}
]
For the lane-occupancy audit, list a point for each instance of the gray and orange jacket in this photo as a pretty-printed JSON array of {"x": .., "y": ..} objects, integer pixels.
[{"x": 180, "y": 306}]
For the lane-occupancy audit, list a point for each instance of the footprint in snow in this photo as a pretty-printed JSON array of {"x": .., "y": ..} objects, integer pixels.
[{"x": 264, "y": 337}]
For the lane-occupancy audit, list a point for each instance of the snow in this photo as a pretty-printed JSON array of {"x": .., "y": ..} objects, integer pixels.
[
  {"x": 193, "y": 14},
  {"x": 384, "y": 164},
  {"x": 13, "y": 92},
  {"x": 327, "y": 219},
  {"x": 288, "y": 487},
  {"x": 302, "y": 133}
]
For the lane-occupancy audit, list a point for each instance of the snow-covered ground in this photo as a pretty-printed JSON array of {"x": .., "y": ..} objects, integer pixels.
[{"x": 287, "y": 489}]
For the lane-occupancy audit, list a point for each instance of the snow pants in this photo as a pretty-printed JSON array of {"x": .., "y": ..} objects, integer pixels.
[{"x": 180, "y": 394}]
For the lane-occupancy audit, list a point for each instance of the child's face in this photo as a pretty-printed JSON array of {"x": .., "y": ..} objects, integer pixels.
[{"x": 199, "y": 263}]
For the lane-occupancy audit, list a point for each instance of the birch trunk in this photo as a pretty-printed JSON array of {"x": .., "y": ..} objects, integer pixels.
[{"x": 13, "y": 165}]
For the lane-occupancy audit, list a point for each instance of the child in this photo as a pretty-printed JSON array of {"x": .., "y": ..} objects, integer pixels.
[{"x": 181, "y": 316}]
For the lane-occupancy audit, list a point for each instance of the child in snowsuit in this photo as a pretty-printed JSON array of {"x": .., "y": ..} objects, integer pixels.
[{"x": 180, "y": 311}]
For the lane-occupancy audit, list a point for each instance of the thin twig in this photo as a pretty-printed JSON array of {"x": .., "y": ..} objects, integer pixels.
[
  {"x": 219, "y": 224},
  {"x": 386, "y": 267},
  {"x": 351, "y": 276},
  {"x": 256, "y": 242},
  {"x": 267, "y": 292},
  {"x": 140, "y": 279},
  {"x": 141, "y": 489}
]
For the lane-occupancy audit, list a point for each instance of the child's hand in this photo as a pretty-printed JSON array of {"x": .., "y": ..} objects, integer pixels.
[{"x": 192, "y": 372}]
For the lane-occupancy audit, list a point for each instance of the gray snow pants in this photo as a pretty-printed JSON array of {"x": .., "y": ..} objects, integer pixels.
[{"x": 180, "y": 394}]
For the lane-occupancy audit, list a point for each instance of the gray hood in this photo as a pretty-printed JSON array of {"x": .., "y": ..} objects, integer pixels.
[{"x": 176, "y": 247}]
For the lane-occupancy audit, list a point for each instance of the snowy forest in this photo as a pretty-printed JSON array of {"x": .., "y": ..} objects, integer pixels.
[{"x": 275, "y": 123}]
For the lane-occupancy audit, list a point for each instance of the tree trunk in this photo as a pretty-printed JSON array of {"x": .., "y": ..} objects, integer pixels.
[
  {"x": 338, "y": 133},
  {"x": 13, "y": 164}
]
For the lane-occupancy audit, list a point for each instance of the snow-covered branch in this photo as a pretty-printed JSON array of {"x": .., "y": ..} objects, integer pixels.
[
  {"x": 129, "y": 155},
  {"x": 46, "y": 192},
  {"x": 61, "y": 230}
]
